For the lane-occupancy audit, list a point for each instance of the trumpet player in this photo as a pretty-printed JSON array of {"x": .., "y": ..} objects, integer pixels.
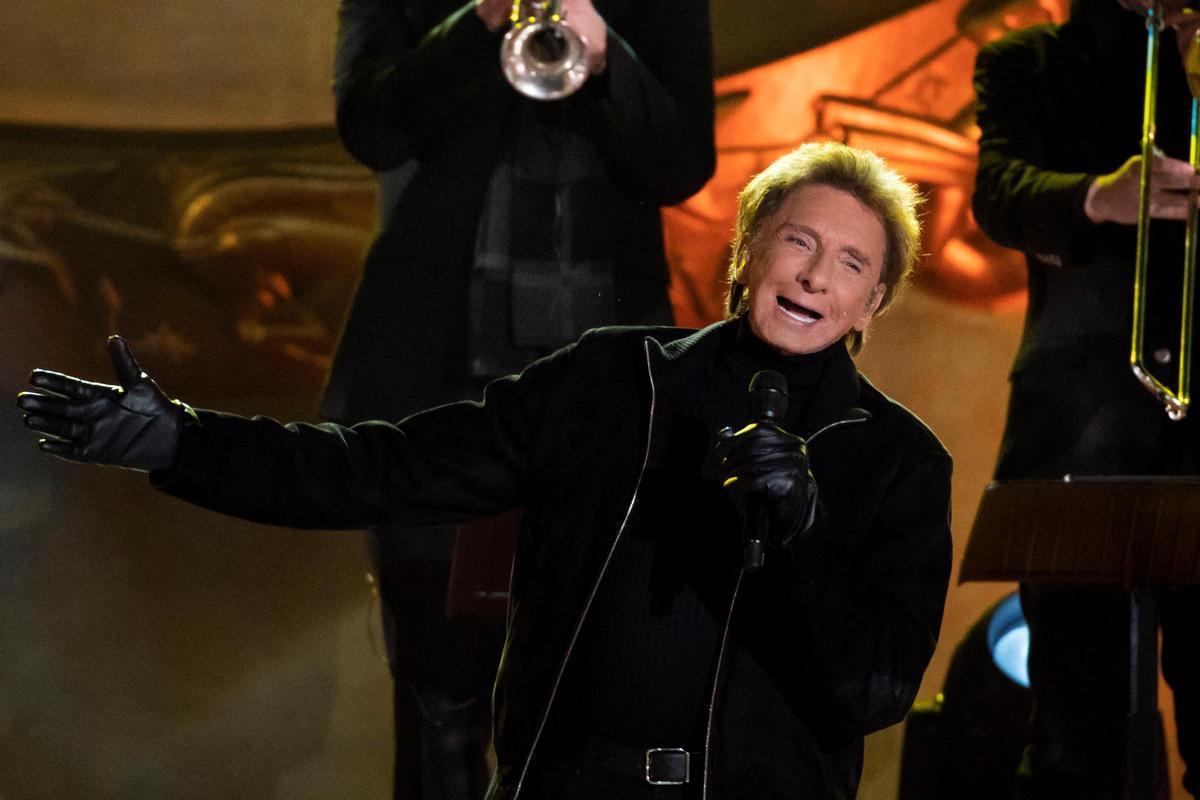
[
  {"x": 1060, "y": 115},
  {"x": 508, "y": 225}
]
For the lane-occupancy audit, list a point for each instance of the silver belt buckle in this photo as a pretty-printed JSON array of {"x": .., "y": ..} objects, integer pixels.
[{"x": 687, "y": 766}]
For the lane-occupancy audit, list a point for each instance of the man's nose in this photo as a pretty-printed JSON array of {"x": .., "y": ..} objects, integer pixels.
[{"x": 814, "y": 277}]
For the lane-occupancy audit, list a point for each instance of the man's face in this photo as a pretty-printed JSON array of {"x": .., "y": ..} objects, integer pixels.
[{"x": 817, "y": 277}]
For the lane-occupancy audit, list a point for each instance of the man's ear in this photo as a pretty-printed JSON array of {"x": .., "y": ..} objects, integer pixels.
[
  {"x": 877, "y": 295},
  {"x": 743, "y": 261},
  {"x": 873, "y": 301}
]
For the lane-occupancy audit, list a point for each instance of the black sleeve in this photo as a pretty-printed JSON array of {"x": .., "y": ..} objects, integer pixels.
[
  {"x": 1018, "y": 202},
  {"x": 398, "y": 84},
  {"x": 866, "y": 623},
  {"x": 443, "y": 465},
  {"x": 651, "y": 113}
]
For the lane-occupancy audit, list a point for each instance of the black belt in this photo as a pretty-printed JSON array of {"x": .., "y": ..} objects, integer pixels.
[{"x": 655, "y": 766}]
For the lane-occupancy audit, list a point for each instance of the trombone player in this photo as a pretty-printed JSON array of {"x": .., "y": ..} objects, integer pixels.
[
  {"x": 1059, "y": 178},
  {"x": 512, "y": 218}
]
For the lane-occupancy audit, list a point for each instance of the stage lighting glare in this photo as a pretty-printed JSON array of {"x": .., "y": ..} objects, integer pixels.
[
  {"x": 1008, "y": 640},
  {"x": 968, "y": 742}
]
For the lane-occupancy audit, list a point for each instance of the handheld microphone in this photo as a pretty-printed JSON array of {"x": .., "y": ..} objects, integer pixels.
[{"x": 768, "y": 403}]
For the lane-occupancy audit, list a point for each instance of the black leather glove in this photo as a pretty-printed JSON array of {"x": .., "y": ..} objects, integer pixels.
[
  {"x": 134, "y": 425},
  {"x": 770, "y": 464}
]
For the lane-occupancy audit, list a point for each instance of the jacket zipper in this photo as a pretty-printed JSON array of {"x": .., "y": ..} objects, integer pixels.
[
  {"x": 837, "y": 424},
  {"x": 712, "y": 700},
  {"x": 595, "y": 584}
]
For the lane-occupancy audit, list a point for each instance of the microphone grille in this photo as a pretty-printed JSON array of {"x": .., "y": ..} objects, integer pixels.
[{"x": 769, "y": 380}]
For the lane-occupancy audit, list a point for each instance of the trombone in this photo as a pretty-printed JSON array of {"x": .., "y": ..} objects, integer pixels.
[
  {"x": 541, "y": 57},
  {"x": 1176, "y": 401}
]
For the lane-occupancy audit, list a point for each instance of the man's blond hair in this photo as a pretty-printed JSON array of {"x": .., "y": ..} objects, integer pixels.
[{"x": 860, "y": 173}]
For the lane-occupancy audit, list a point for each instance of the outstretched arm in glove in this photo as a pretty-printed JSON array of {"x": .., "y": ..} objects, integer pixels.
[{"x": 132, "y": 425}]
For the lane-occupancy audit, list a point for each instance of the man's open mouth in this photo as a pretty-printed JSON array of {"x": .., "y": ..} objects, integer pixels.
[{"x": 797, "y": 311}]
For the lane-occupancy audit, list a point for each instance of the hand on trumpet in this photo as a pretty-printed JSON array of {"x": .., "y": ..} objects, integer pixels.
[
  {"x": 1115, "y": 197},
  {"x": 494, "y": 13},
  {"x": 578, "y": 15},
  {"x": 581, "y": 16}
]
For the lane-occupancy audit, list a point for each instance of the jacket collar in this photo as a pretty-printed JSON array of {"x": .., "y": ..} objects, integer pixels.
[{"x": 674, "y": 359}]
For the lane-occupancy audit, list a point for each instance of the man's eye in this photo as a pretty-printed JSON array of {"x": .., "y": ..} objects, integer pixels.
[
  {"x": 799, "y": 240},
  {"x": 853, "y": 265}
]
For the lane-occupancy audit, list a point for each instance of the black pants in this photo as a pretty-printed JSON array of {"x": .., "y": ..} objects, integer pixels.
[
  {"x": 554, "y": 780},
  {"x": 1079, "y": 637},
  {"x": 1079, "y": 671},
  {"x": 443, "y": 671}
]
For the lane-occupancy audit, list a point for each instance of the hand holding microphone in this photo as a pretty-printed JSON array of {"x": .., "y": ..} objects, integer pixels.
[{"x": 768, "y": 467}]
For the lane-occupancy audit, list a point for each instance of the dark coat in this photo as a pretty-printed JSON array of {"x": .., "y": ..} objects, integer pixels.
[
  {"x": 421, "y": 99},
  {"x": 1060, "y": 105},
  {"x": 828, "y": 643}
]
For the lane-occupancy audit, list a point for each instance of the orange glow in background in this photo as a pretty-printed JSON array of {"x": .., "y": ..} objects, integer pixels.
[{"x": 901, "y": 88}]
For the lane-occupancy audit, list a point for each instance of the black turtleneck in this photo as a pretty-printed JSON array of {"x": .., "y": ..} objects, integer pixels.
[
  {"x": 641, "y": 673},
  {"x": 742, "y": 354}
]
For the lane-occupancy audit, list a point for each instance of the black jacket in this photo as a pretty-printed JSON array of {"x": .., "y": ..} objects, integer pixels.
[
  {"x": 1058, "y": 106},
  {"x": 421, "y": 99},
  {"x": 828, "y": 643}
]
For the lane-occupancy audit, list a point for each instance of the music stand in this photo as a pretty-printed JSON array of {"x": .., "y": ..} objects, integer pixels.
[{"x": 1139, "y": 533}]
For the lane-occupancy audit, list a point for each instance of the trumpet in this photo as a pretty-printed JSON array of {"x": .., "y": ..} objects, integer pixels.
[
  {"x": 1175, "y": 401},
  {"x": 541, "y": 57}
]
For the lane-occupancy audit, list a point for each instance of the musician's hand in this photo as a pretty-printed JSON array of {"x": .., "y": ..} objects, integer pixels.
[
  {"x": 1115, "y": 197},
  {"x": 1183, "y": 19},
  {"x": 494, "y": 13},
  {"x": 581, "y": 16},
  {"x": 768, "y": 462},
  {"x": 1187, "y": 25},
  {"x": 134, "y": 425}
]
